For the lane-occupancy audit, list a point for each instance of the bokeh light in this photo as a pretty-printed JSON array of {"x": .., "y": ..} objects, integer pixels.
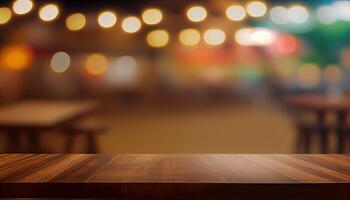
[
  {"x": 255, "y": 36},
  {"x": 342, "y": 10},
  {"x": 256, "y": 9},
  {"x": 214, "y": 36},
  {"x": 96, "y": 64},
  {"x": 16, "y": 57},
  {"x": 196, "y": 13},
  {"x": 158, "y": 38},
  {"x": 190, "y": 37},
  {"x": 286, "y": 44},
  {"x": 123, "y": 71},
  {"x": 152, "y": 16},
  {"x": 309, "y": 75},
  {"x": 21, "y": 7},
  {"x": 332, "y": 75},
  {"x": 131, "y": 24},
  {"x": 76, "y": 22},
  {"x": 326, "y": 14},
  {"x": 5, "y": 15},
  {"x": 60, "y": 62},
  {"x": 49, "y": 12},
  {"x": 235, "y": 13},
  {"x": 279, "y": 15},
  {"x": 107, "y": 19},
  {"x": 298, "y": 14}
]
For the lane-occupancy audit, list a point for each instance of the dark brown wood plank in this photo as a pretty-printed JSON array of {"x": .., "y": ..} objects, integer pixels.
[{"x": 176, "y": 176}]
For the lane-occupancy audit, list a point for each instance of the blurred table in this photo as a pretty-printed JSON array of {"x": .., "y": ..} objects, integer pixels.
[
  {"x": 196, "y": 176},
  {"x": 320, "y": 105},
  {"x": 35, "y": 116}
]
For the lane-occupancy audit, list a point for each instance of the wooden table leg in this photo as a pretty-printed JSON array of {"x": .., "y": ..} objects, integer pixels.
[
  {"x": 321, "y": 123},
  {"x": 13, "y": 142},
  {"x": 33, "y": 139},
  {"x": 341, "y": 120}
]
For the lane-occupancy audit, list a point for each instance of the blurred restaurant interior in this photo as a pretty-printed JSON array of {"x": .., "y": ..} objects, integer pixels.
[{"x": 184, "y": 76}]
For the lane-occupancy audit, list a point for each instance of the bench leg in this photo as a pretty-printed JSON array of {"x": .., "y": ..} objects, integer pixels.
[{"x": 92, "y": 146}]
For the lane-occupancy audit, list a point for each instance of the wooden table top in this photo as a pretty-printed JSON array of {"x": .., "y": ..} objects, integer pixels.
[
  {"x": 319, "y": 102},
  {"x": 126, "y": 174},
  {"x": 42, "y": 114}
]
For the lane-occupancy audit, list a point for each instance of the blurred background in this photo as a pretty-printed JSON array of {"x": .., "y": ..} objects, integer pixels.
[{"x": 180, "y": 76}]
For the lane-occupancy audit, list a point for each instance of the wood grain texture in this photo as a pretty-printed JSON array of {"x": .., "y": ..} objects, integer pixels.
[
  {"x": 42, "y": 114},
  {"x": 204, "y": 176}
]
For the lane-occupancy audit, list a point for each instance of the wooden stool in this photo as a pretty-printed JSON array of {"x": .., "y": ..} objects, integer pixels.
[{"x": 89, "y": 129}]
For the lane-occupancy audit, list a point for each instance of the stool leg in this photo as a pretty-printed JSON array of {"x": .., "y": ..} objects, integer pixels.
[
  {"x": 70, "y": 138},
  {"x": 92, "y": 146},
  {"x": 323, "y": 132}
]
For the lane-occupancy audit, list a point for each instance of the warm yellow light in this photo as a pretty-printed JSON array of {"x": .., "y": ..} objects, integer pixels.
[
  {"x": 5, "y": 15},
  {"x": 196, "y": 14},
  {"x": 131, "y": 24},
  {"x": 96, "y": 64},
  {"x": 235, "y": 13},
  {"x": 21, "y": 7},
  {"x": 60, "y": 62},
  {"x": 158, "y": 38},
  {"x": 49, "y": 12},
  {"x": 16, "y": 57},
  {"x": 256, "y": 9},
  {"x": 152, "y": 16},
  {"x": 76, "y": 22},
  {"x": 332, "y": 75},
  {"x": 189, "y": 37},
  {"x": 214, "y": 36},
  {"x": 107, "y": 19}
]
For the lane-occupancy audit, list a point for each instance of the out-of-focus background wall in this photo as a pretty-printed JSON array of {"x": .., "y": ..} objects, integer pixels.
[{"x": 177, "y": 76}]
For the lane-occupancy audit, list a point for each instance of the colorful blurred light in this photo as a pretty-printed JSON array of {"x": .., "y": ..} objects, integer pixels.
[
  {"x": 286, "y": 44},
  {"x": 76, "y": 22},
  {"x": 309, "y": 75},
  {"x": 332, "y": 75},
  {"x": 196, "y": 13},
  {"x": 298, "y": 14},
  {"x": 5, "y": 15},
  {"x": 96, "y": 64},
  {"x": 255, "y": 36},
  {"x": 131, "y": 24},
  {"x": 158, "y": 38},
  {"x": 190, "y": 37},
  {"x": 21, "y": 7},
  {"x": 279, "y": 15},
  {"x": 326, "y": 14},
  {"x": 107, "y": 19},
  {"x": 60, "y": 62},
  {"x": 214, "y": 37},
  {"x": 49, "y": 12},
  {"x": 235, "y": 13},
  {"x": 256, "y": 9},
  {"x": 152, "y": 16},
  {"x": 16, "y": 57}
]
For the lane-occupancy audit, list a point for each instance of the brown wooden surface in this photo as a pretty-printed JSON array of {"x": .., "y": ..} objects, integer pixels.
[
  {"x": 42, "y": 114},
  {"x": 319, "y": 102},
  {"x": 175, "y": 176}
]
